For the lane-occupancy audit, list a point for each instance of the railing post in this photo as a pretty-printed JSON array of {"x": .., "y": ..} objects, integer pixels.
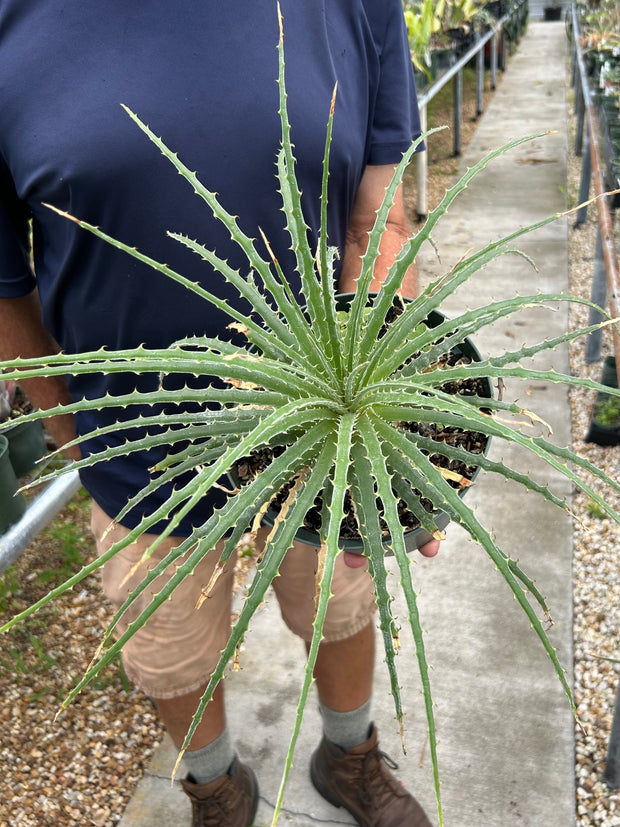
[
  {"x": 580, "y": 110},
  {"x": 612, "y": 765},
  {"x": 479, "y": 82},
  {"x": 421, "y": 159},
  {"x": 502, "y": 50},
  {"x": 598, "y": 295},
  {"x": 458, "y": 110},
  {"x": 586, "y": 176},
  {"x": 494, "y": 60}
]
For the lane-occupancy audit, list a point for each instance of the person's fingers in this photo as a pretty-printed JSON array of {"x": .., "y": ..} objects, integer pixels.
[
  {"x": 430, "y": 549},
  {"x": 354, "y": 561}
]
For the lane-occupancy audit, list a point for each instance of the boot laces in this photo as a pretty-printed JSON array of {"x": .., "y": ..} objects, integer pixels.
[
  {"x": 378, "y": 785},
  {"x": 216, "y": 810}
]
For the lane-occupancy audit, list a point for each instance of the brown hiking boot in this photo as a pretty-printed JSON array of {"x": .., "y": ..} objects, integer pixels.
[
  {"x": 229, "y": 801},
  {"x": 359, "y": 780}
]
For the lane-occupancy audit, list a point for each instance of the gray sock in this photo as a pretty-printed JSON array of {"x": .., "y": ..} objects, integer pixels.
[
  {"x": 346, "y": 729},
  {"x": 208, "y": 763}
]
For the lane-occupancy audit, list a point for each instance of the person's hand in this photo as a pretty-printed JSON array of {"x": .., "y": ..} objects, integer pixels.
[{"x": 356, "y": 561}]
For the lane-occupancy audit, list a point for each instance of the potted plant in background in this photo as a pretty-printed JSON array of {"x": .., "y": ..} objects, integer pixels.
[
  {"x": 460, "y": 19},
  {"x": 25, "y": 437},
  {"x": 12, "y": 503},
  {"x": 605, "y": 422},
  {"x": 600, "y": 38},
  {"x": 332, "y": 395},
  {"x": 439, "y": 32},
  {"x": 21, "y": 445},
  {"x": 553, "y": 11},
  {"x": 421, "y": 24},
  {"x": 600, "y": 46}
]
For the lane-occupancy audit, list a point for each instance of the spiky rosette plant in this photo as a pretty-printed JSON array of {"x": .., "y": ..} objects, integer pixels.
[{"x": 332, "y": 397}]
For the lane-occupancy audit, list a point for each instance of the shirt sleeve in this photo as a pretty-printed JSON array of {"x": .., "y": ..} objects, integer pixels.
[
  {"x": 16, "y": 276},
  {"x": 396, "y": 121}
]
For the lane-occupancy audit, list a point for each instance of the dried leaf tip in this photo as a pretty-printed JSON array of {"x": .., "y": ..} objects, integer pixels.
[
  {"x": 61, "y": 212},
  {"x": 332, "y": 106},
  {"x": 177, "y": 766}
]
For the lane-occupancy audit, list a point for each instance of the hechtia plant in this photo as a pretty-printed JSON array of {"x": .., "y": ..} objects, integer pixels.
[{"x": 333, "y": 397}]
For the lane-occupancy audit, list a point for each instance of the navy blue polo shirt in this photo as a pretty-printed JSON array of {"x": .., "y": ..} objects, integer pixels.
[{"x": 203, "y": 75}]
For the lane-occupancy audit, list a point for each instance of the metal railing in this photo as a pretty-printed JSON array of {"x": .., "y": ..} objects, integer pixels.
[
  {"x": 40, "y": 512},
  {"x": 605, "y": 281},
  {"x": 500, "y": 39},
  {"x": 606, "y": 276}
]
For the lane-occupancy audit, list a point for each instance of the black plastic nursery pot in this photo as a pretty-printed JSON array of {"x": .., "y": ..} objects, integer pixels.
[
  {"x": 418, "y": 536},
  {"x": 442, "y": 60},
  {"x": 26, "y": 445},
  {"x": 422, "y": 80},
  {"x": 463, "y": 39},
  {"x": 605, "y": 422},
  {"x": 12, "y": 504}
]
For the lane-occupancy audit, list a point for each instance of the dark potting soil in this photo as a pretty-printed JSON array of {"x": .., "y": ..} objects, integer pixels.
[
  {"x": 20, "y": 405},
  {"x": 470, "y": 441}
]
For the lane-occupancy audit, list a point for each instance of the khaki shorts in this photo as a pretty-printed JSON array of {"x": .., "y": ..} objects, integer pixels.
[{"x": 178, "y": 648}]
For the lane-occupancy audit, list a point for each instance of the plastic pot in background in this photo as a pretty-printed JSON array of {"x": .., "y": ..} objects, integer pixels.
[
  {"x": 422, "y": 80},
  {"x": 605, "y": 422},
  {"x": 12, "y": 504},
  {"x": 26, "y": 445},
  {"x": 442, "y": 60}
]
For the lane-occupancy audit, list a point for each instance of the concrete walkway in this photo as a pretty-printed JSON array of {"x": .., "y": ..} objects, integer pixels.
[{"x": 504, "y": 725}]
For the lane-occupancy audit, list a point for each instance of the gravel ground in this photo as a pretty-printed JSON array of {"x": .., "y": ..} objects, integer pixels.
[{"x": 82, "y": 768}]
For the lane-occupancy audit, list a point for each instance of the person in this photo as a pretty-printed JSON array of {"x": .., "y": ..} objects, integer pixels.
[{"x": 202, "y": 74}]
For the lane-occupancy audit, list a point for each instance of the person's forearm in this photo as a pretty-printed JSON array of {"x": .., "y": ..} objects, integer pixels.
[
  {"x": 392, "y": 242},
  {"x": 22, "y": 334},
  {"x": 368, "y": 200}
]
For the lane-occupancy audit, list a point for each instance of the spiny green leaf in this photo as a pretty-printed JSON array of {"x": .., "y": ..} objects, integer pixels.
[
  {"x": 410, "y": 250},
  {"x": 371, "y": 432},
  {"x": 462, "y": 514},
  {"x": 364, "y": 496},
  {"x": 427, "y": 347},
  {"x": 276, "y": 547},
  {"x": 356, "y": 329},
  {"x": 236, "y": 515}
]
